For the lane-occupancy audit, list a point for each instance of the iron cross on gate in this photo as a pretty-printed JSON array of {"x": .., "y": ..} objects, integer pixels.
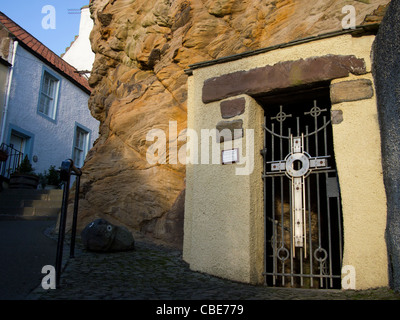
[{"x": 297, "y": 166}]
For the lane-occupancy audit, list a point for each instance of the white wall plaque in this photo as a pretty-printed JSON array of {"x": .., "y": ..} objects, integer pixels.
[{"x": 230, "y": 156}]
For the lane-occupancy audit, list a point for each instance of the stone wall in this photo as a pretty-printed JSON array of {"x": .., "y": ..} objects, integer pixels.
[
  {"x": 386, "y": 55},
  {"x": 142, "y": 49}
]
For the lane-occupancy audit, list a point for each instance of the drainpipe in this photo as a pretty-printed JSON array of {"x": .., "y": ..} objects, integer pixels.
[{"x": 7, "y": 98}]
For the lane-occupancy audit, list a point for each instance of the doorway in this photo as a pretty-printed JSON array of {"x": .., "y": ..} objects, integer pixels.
[{"x": 303, "y": 219}]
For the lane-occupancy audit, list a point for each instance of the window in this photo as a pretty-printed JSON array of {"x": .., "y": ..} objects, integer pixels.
[
  {"x": 48, "y": 95},
  {"x": 81, "y": 143}
]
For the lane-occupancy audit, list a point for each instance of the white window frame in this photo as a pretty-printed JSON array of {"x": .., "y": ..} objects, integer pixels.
[
  {"x": 48, "y": 93},
  {"x": 82, "y": 147}
]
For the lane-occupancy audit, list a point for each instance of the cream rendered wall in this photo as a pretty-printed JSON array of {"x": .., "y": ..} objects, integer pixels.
[
  {"x": 190, "y": 179},
  {"x": 224, "y": 215},
  {"x": 221, "y": 209},
  {"x": 357, "y": 147}
]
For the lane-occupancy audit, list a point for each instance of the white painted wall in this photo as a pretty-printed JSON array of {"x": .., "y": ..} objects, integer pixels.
[
  {"x": 80, "y": 54},
  {"x": 3, "y": 85},
  {"x": 52, "y": 141}
]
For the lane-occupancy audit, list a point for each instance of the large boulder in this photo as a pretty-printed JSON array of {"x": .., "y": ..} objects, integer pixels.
[{"x": 102, "y": 236}]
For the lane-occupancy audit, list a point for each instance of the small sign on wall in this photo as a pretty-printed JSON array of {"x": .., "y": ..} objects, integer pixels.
[{"x": 230, "y": 156}]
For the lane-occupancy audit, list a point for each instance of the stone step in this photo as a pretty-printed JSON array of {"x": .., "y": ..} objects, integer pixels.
[
  {"x": 37, "y": 207},
  {"x": 21, "y": 194},
  {"x": 20, "y": 203},
  {"x": 17, "y": 203},
  {"x": 31, "y": 211},
  {"x": 11, "y": 203},
  {"x": 43, "y": 203}
]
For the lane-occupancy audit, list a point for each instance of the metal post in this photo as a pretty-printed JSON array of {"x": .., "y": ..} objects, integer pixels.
[
  {"x": 65, "y": 174},
  {"x": 61, "y": 232},
  {"x": 75, "y": 216}
]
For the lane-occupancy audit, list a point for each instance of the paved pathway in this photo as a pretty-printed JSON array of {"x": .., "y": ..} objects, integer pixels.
[
  {"x": 24, "y": 250},
  {"x": 153, "y": 272}
]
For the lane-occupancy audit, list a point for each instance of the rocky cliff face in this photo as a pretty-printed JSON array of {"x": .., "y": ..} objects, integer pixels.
[{"x": 142, "y": 49}]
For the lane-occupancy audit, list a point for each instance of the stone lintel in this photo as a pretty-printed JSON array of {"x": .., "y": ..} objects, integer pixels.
[{"x": 281, "y": 76}]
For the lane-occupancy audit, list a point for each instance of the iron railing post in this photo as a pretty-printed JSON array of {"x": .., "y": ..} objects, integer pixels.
[
  {"x": 61, "y": 232},
  {"x": 75, "y": 216},
  {"x": 67, "y": 167},
  {"x": 13, "y": 161}
]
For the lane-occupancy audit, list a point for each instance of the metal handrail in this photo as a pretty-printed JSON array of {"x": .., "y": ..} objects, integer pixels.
[
  {"x": 13, "y": 161},
  {"x": 67, "y": 169}
]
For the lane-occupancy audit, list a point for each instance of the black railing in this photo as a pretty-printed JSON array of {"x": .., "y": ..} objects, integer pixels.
[
  {"x": 14, "y": 159},
  {"x": 67, "y": 169}
]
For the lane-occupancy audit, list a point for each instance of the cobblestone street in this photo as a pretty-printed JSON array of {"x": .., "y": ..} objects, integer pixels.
[{"x": 154, "y": 272}]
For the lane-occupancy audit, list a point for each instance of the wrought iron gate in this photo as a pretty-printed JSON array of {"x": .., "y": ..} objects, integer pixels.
[{"x": 303, "y": 223}]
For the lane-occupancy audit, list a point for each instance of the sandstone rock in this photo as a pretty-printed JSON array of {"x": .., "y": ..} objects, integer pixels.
[
  {"x": 351, "y": 90},
  {"x": 142, "y": 49},
  {"x": 102, "y": 236},
  {"x": 376, "y": 16},
  {"x": 233, "y": 108}
]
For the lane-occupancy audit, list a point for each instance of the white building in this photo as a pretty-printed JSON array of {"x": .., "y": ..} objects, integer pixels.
[
  {"x": 45, "y": 112},
  {"x": 80, "y": 54}
]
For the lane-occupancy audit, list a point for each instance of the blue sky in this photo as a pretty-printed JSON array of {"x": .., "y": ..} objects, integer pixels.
[{"x": 28, "y": 14}]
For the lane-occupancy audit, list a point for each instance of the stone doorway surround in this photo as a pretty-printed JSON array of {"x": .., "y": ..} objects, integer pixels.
[{"x": 224, "y": 223}]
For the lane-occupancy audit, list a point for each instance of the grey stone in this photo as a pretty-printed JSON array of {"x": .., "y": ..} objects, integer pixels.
[
  {"x": 233, "y": 108},
  {"x": 386, "y": 65},
  {"x": 102, "y": 236},
  {"x": 351, "y": 91},
  {"x": 337, "y": 116},
  {"x": 229, "y": 130}
]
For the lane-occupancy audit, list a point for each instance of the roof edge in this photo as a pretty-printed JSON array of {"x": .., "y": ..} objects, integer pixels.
[
  {"x": 86, "y": 89},
  {"x": 53, "y": 66}
]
